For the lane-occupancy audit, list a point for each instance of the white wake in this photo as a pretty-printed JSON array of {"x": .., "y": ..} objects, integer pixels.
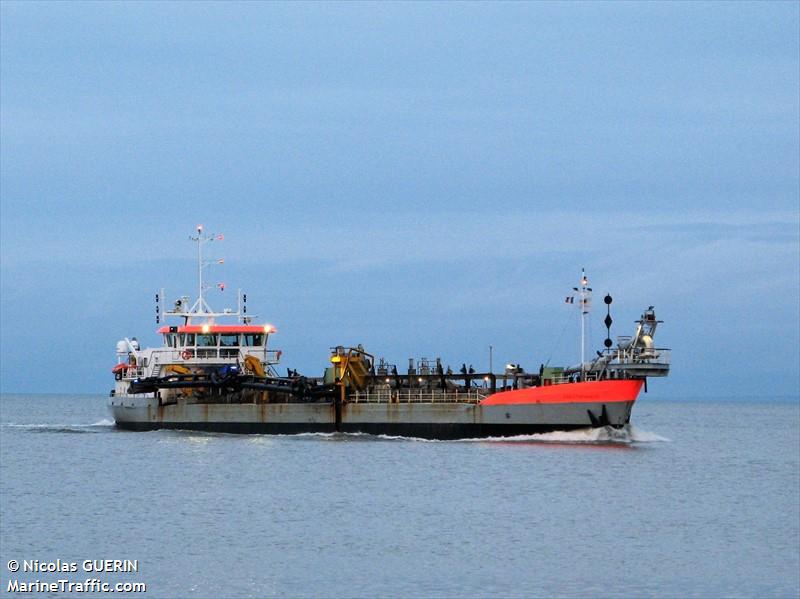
[
  {"x": 98, "y": 426},
  {"x": 628, "y": 434}
]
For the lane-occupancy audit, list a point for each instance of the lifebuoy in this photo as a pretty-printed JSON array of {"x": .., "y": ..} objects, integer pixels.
[{"x": 186, "y": 354}]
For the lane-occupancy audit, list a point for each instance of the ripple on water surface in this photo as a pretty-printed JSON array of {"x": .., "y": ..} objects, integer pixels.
[{"x": 692, "y": 500}]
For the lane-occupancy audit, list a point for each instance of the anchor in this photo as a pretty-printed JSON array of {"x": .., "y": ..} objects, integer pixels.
[{"x": 601, "y": 421}]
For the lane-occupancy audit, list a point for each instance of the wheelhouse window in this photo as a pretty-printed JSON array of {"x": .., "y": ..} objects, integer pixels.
[
  {"x": 206, "y": 341},
  {"x": 254, "y": 339},
  {"x": 187, "y": 339},
  {"x": 229, "y": 340}
]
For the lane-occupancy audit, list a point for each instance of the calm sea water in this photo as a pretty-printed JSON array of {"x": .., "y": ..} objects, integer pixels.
[{"x": 699, "y": 499}]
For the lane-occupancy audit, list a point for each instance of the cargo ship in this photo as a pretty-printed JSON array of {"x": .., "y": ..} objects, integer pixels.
[{"x": 215, "y": 372}]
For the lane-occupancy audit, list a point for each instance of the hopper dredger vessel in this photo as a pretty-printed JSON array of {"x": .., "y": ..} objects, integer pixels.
[{"x": 220, "y": 376}]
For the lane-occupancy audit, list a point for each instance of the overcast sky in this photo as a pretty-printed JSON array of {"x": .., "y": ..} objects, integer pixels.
[{"x": 425, "y": 179}]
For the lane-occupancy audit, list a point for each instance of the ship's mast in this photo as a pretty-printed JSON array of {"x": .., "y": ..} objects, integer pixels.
[
  {"x": 200, "y": 308},
  {"x": 200, "y": 301},
  {"x": 584, "y": 304}
]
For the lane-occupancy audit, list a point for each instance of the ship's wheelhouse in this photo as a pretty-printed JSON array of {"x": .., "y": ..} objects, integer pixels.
[{"x": 222, "y": 340}]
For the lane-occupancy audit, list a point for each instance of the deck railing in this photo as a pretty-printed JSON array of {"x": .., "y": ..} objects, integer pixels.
[
  {"x": 199, "y": 356},
  {"x": 203, "y": 354},
  {"x": 133, "y": 372},
  {"x": 416, "y": 396},
  {"x": 638, "y": 355},
  {"x": 588, "y": 377}
]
